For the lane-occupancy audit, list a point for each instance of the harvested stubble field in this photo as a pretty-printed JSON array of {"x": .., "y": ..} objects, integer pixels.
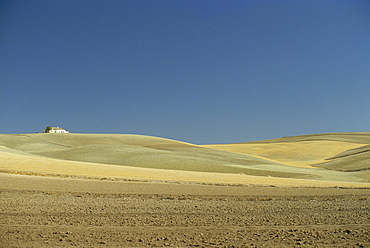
[{"x": 61, "y": 190}]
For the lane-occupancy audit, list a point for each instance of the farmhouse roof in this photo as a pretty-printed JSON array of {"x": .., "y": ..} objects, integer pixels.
[{"x": 57, "y": 128}]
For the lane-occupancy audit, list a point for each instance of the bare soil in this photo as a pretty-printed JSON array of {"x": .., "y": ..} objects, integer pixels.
[{"x": 51, "y": 212}]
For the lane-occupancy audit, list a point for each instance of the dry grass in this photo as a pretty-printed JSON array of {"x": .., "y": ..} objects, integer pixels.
[
  {"x": 135, "y": 157},
  {"x": 141, "y": 151},
  {"x": 335, "y": 151},
  {"x": 357, "y": 159},
  {"x": 300, "y": 153}
]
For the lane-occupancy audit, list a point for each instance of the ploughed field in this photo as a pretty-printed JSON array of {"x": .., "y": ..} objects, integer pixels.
[
  {"x": 134, "y": 214},
  {"x": 117, "y": 190}
]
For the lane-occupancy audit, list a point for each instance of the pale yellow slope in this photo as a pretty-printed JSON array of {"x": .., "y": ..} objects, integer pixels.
[
  {"x": 34, "y": 165},
  {"x": 124, "y": 156},
  {"x": 137, "y": 151},
  {"x": 300, "y": 154}
]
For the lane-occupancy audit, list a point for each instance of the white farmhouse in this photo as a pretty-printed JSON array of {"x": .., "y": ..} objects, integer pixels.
[{"x": 54, "y": 130}]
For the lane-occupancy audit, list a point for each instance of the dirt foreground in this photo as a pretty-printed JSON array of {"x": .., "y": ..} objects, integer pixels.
[{"x": 57, "y": 212}]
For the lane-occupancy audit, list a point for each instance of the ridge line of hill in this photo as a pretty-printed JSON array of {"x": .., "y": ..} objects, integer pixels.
[{"x": 296, "y": 158}]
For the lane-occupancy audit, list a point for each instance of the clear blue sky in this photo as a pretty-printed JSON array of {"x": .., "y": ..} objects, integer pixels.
[{"x": 202, "y": 71}]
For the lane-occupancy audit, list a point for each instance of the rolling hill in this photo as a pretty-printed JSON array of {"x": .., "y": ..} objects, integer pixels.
[
  {"x": 333, "y": 157},
  {"x": 346, "y": 152},
  {"x": 137, "y": 151}
]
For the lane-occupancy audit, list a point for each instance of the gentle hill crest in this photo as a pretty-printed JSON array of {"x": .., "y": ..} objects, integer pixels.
[
  {"x": 334, "y": 151},
  {"x": 289, "y": 157},
  {"x": 138, "y": 151},
  {"x": 353, "y": 137}
]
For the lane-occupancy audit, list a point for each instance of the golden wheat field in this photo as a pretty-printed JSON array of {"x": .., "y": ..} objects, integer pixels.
[{"x": 122, "y": 190}]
